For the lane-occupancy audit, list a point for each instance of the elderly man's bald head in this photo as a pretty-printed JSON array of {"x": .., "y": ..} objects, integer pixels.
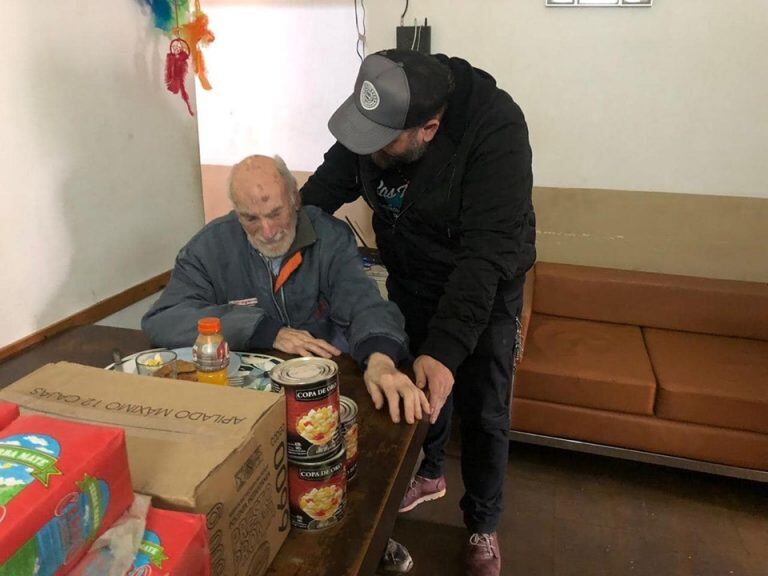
[
  {"x": 258, "y": 175},
  {"x": 265, "y": 196}
]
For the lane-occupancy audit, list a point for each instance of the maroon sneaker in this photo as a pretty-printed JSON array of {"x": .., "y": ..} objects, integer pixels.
[
  {"x": 482, "y": 555},
  {"x": 422, "y": 490}
]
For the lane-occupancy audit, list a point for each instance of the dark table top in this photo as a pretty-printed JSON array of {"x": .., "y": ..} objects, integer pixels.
[{"x": 387, "y": 456}]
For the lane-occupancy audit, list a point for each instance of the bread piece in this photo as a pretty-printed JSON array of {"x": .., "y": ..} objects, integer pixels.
[
  {"x": 185, "y": 370},
  {"x": 184, "y": 366}
]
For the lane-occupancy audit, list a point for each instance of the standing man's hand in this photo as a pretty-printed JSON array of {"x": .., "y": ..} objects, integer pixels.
[
  {"x": 385, "y": 382},
  {"x": 303, "y": 343},
  {"x": 437, "y": 378}
]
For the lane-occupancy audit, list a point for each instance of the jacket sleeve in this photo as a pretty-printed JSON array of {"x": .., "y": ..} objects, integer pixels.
[
  {"x": 371, "y": 323},
  {"x": 334, "y": 183},
  {"x": 191, "y": 295},
  {"x": 495, "y": 219}
]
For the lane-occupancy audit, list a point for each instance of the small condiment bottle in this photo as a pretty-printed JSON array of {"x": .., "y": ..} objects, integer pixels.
[{"x": 211, "y": 353}]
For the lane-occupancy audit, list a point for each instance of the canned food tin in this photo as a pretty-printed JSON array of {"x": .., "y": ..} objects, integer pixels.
[
  {"x": 348, "y": 416},
  {"x": 317, "y": 492},
  {"x": 311, "y": 388}
]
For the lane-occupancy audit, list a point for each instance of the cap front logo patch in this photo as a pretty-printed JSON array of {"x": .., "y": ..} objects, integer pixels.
[{"x": 369, "y": 97}]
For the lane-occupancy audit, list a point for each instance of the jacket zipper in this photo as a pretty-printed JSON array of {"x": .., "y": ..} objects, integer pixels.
[
  {"x": 283, "y": 317},
  {"x": 285, "y": 307},
  {"x": 413, "y": 200}
]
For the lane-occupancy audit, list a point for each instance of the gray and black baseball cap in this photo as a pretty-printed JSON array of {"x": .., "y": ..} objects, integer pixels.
[{"x": 395, "y": 90}]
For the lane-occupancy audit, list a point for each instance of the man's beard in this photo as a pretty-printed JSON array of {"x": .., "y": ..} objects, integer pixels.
[
  {"x": 279, "y": 246},
  {"x": 386, "y": 161}
]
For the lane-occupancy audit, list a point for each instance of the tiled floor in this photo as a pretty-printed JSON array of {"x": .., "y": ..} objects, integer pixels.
[{"x": 574, "y": 514}]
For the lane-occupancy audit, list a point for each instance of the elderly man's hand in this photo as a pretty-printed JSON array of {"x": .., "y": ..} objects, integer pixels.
[
  {"x": 384, "y": 381},
  {"x": 303, "y": 343},
  {"x": 437, "y": 378}
]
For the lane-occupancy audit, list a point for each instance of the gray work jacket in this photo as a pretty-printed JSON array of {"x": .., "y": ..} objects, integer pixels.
[{"x": 219, "y": 273}]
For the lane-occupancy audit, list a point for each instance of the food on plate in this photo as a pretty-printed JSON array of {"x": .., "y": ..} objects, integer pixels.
[{"x": 184, "y": 371}]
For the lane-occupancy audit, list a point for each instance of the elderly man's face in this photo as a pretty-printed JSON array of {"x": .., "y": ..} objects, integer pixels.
[{"x": 264, "y": 207}]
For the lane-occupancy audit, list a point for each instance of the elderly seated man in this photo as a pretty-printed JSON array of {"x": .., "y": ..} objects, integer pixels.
[{"x": 283, "y": 276}]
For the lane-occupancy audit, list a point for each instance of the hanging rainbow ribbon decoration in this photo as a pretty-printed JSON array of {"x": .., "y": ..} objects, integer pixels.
[
  {"x": 196, "y": 33},
  {"x": 188, "y": 33},
  {"x": 163, "y": 12}
]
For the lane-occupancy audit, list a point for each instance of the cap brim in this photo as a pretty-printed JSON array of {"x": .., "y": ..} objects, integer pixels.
[{"x": 358, "y": 133}]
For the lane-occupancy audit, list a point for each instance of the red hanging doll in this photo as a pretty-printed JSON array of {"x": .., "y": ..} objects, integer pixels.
[{"x": 176, "y": 65}]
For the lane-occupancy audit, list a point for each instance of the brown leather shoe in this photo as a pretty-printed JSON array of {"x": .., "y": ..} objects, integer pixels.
[{"x": 482, "y": 555}]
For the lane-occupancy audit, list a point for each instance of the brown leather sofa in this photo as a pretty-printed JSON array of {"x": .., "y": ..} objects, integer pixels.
[{"x": 663, "y": 368}]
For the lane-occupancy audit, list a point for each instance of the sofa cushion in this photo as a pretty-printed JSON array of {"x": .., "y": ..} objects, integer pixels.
[
  {"x": 646, "y": 433},
  {"x": 723, "y": 307},
  {"x": 583, "y": 363},
  {"x": 710, "y": 379}
]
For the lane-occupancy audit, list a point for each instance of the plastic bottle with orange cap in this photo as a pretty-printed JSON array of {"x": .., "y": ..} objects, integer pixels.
[{"x": 211, "y": 352}]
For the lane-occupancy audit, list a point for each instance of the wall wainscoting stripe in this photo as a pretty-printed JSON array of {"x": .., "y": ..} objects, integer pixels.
[{"x": 90, "y": 315}]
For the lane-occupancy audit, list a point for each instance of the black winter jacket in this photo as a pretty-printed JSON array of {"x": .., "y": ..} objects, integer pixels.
[{"x": 465, "y": 235}]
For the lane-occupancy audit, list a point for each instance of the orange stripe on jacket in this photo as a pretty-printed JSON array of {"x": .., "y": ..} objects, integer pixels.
[{"x": 288, "y": 268}]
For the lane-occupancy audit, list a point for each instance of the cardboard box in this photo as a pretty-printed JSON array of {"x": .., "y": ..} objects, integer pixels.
[
  {"x": 197, "y": 448},
  {"x": 174, "y": 544},
  {"x": 8, "y": 413},
  {"x": 61, "y": 485}
]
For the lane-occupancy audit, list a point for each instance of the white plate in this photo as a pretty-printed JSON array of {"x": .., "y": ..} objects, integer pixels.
[
  {"x": 129, "y": 362},
  {"x": 254, "y": 369}
]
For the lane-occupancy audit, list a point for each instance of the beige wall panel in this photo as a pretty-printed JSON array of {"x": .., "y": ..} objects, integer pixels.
[{"x": 697, "y": 235}]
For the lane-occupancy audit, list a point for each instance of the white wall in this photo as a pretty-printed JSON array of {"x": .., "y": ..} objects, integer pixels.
[
  {"x": 278, "y": 70},
  {"x": 673, "y": 98},
  {"x": 99, "y": 175}
]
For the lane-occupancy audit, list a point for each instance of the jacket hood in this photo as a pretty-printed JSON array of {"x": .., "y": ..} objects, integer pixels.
[{"x": 473, "y": 91}]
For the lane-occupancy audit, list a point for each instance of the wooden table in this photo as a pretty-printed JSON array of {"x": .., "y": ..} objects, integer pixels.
[{"x": 388, "y": 454}]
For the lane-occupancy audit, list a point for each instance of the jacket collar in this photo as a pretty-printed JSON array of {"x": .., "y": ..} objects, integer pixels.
[
  {"x": 305, "y": 233},
  {"x": 291, "y": 261}
]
